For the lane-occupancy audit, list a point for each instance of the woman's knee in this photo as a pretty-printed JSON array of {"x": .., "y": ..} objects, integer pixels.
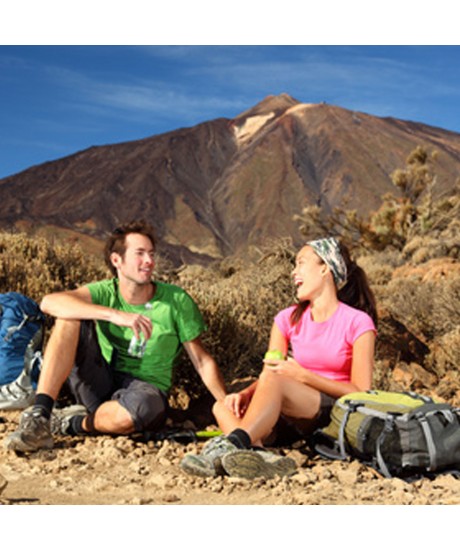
[
  {"x": 221, "y": 412},
  {"x": 217, "y": 408}
]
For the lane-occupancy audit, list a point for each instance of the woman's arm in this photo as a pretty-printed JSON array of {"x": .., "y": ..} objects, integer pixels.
[{"x": 278, "y": 341}]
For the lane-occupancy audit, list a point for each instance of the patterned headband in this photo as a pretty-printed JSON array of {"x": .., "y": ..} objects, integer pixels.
[{"x": 329, "y": 251}]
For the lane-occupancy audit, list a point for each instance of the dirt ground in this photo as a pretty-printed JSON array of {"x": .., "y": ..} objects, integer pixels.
[{"x": 127, "y": 471}]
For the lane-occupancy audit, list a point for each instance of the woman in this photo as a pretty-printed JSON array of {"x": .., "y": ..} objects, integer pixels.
[{"x": 330, "y": 335}]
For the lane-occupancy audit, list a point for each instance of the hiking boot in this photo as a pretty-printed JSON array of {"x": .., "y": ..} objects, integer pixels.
[
  {"x": 208, "y": 463},
  {"x": 18, "y": 394},
  {"x": 60, "y": 420},
  {"x": 33, "y": 433},
  {"x": 250, "y": 464}
]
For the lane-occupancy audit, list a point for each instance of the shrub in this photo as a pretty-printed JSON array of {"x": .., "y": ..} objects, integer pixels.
[
  {"x": 417, "y": 290},
  {"x": 35, "y": 266},
  {"x": 239, "y": 301}
]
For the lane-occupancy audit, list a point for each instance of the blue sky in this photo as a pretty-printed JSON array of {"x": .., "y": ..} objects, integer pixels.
[{"x": 57, "y": 100}]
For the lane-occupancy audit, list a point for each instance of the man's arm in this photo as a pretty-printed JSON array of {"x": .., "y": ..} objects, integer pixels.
[
  {"x": 74, "y": 305},
  {"x": 77, "y": 305},
  {"x": 206, "y": 367}
]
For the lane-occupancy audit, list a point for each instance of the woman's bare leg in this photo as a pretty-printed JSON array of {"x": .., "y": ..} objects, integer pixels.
[{"x": 275, "y": 395}]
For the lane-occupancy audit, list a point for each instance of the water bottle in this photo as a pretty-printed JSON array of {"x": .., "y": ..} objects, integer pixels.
[{"x": 137, "y": 346}]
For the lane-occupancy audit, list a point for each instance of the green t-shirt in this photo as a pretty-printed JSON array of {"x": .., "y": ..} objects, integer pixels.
[{"x": 175, "y": 319}]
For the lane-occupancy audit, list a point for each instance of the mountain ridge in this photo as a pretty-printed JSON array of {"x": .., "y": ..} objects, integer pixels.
[{"x": 224, "y": 185}]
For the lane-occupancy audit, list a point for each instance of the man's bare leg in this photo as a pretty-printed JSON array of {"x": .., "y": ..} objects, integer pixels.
[
  {"x": 34, "y": 431},
  {"x": 59, "y": 357}
]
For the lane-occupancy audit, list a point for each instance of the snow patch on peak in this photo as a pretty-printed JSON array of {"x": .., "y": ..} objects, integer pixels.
[{"x": 250, "y": 127}]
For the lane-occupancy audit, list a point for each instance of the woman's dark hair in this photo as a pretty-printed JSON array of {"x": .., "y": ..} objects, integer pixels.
[
  {"x": 356, "y": 292},
  {"x": 116, "y": 241}
]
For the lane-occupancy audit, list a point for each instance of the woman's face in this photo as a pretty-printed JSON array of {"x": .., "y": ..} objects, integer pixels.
[{"x": 308, "y": 274}]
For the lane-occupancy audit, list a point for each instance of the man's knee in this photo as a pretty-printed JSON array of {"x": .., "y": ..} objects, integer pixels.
[
  {"x": 148, "y": 409},
  {"x": 151, "y": 412}
]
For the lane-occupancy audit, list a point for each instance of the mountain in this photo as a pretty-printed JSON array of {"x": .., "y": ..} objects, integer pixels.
[{"x": 227, "y": 184}]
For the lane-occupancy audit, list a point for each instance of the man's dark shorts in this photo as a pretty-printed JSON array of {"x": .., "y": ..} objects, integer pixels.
[{"x": 93, "y": 381}]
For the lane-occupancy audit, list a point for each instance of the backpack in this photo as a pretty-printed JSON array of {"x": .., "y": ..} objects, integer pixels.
[
  {"x": 400, "y": 434},
  {"x": 22, "y": 327}
]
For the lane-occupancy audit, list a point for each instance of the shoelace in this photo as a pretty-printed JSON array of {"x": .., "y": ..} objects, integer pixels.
[{"x": 31, "y": 420}]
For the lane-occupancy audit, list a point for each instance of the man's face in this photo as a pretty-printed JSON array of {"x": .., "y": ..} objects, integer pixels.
[{"x": 138, "y": 262}]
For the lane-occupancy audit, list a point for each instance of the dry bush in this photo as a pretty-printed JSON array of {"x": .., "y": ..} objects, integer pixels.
[
  {"x": 428, "y": 308},
  {"x": 444, "y": 356},
  {"x": 35, "y": 266},
  {"x": 419, "y": 317},
  {"x": 380, "y": 266},
  {"x": 422, "y": 324},
  {"x": 239, "y": 301}
]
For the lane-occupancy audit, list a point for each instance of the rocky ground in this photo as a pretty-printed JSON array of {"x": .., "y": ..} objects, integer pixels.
[{"x": 127, "y": 471}]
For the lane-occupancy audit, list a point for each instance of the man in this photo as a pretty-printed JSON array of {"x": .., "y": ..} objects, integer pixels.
[{"x": 118, "y": 390}]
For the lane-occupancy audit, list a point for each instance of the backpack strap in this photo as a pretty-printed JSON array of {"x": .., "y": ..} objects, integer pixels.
[
  {"x": 351, "y": 407},
  {"x": 25, "y": 319},
  {"x": 422, "y": 417},
  {"x": 387, "y": 428}
]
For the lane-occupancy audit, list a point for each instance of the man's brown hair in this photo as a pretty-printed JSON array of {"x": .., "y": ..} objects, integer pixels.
[{"x": 116, "y": 242}]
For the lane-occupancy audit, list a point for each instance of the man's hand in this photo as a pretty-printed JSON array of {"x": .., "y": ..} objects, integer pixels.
[
  {"x": 237, "y": 403},
  {"x": 137, "y": 322}
]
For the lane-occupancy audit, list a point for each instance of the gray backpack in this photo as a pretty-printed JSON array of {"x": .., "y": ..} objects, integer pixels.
[{"x": 399, "y": 434}]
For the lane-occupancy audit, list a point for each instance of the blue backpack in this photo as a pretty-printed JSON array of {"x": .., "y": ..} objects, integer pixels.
[{"x": 22, "y": 327}]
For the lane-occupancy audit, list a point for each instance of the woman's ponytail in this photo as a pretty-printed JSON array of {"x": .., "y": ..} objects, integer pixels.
[{"x": 356, "y": 292}]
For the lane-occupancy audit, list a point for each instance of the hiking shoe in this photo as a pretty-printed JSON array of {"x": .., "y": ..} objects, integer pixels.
[
  {"x": 197, "y": 465},
  {"x": 250, "y": 464},
  {"x": 33, "y": 433},
  {"x": 60, "y": 419},
  {"x": 208, "y": 463},
  {"x": 18, "y": 394}
]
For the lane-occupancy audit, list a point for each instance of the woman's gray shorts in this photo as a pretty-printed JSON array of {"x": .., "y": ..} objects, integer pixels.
[
  {"x": 93, "y": 381},
  {"x": 288, "y": 429}
]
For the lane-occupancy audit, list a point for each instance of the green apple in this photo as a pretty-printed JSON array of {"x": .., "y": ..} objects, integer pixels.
[{"x": 274, "y": 354}]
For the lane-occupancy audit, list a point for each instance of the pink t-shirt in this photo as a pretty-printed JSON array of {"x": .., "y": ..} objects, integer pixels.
[{"x": 325, "y": 348}]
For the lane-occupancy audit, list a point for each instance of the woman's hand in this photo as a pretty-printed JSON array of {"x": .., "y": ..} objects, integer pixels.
[
  {"x": 288, "y": 367},
  {"x": 237, "y": 403}
]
